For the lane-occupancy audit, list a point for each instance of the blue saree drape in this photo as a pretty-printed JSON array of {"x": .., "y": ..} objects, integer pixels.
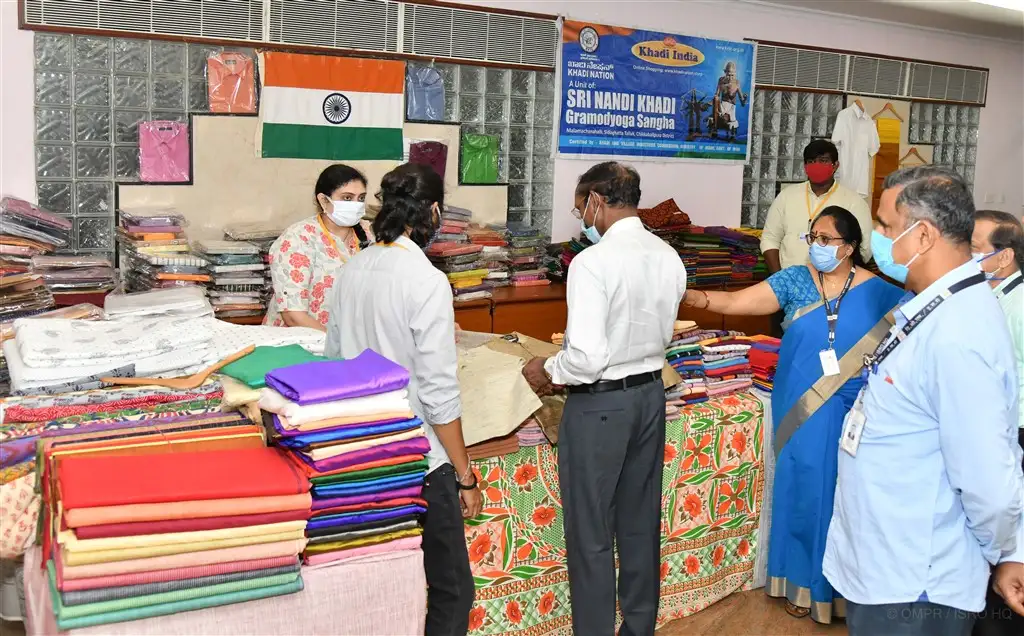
[{"x": 806, "y": 468}]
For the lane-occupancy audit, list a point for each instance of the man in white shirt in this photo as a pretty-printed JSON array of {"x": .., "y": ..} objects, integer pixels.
[
  {"x": 792, "y": 211},
  {"x": 623, "y": 296},
  {"x": 856, "y": 136}
]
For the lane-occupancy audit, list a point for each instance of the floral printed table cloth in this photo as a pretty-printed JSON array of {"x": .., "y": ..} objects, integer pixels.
[{"x": 711, "y": 505}]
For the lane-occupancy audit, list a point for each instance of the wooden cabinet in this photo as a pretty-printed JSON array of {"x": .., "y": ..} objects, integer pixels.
[
  {"x": 474, "y": 315},
  {"x": 535, "y": 311},
  {"x": 542, "y": 311}
]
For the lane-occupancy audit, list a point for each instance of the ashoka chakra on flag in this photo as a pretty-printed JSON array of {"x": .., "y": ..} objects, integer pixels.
[{"x": 335, "y": 108}]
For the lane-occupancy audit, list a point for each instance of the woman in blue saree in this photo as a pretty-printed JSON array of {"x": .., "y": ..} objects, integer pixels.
[{"x": 807, "y": 421}]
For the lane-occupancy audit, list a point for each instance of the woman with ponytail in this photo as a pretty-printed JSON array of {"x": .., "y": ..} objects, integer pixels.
[{"x": 391, "y": 299}]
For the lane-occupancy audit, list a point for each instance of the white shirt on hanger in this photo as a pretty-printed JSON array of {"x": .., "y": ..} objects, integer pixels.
[
  {"x": 623, "y": 296},
  {"x": 856, "y": 137}
]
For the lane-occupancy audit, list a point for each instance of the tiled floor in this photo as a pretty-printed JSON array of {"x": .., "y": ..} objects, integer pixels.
[{"x": 748, "y": 614}]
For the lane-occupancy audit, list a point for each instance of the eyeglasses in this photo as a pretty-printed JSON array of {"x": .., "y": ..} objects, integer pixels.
[
  {"x": 576, "y": 213},
  {"x": 821, "y": 239}
]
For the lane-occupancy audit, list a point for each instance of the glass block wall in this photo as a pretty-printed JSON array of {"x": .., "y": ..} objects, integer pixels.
[
  {"x": 783, "y": 123},
  {"x": 92, "y": 92},
  {"x": 954, "y": 132},
  {"x": 518, "y": 107},
  {"x": 90, "y": 95}
]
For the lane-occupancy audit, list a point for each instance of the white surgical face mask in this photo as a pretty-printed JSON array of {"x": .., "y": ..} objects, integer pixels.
[{"x": 347, "y": 213}]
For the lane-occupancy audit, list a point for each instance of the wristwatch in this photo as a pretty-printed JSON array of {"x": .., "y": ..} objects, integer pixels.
[{"x": 465, "y": 486}]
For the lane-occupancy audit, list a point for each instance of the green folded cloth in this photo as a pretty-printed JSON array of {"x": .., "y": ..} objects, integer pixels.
[
  {"x": 252, "y": 370},
  {"x": 369, "y": 473},
  {"x": 272, "y": 586}
]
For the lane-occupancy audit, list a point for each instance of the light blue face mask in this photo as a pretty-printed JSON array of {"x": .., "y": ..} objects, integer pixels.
[
  {"x": 825, "y": 258},
  {"x": 881, "y": 249},
  {"x": 592, "y": 233}
]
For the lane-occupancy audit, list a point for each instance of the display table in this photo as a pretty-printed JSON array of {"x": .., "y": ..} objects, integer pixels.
[
  {"x": 711, "y": 504},
  {"x": 380, "y": 595},
  {"x": 474, "y": 315}
]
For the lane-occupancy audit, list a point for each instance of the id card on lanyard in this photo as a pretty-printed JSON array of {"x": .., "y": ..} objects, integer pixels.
[{"x": 829, "y": 359}]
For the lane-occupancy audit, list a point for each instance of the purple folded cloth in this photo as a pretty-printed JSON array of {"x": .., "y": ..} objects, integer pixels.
[
  {"x": 415, "y": 446},
  {"x": 152, "y": 229},
  {"x": 284, "y": 432},
  {"x": 369, "y": 373},
  {"x": 355, "y": 500}
]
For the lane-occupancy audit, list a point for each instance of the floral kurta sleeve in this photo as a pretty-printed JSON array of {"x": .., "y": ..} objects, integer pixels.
[{"x": 304, "y": 263}]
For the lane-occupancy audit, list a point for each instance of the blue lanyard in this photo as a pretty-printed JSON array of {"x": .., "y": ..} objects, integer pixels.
[
  {"x": 832, "y": 312},
  {"x": 887, "y": 346}
]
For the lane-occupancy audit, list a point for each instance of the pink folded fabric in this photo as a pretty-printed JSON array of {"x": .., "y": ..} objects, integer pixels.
[
  {"x": 186, "y": 560},
  {"x": 176, "y": 574},
  {"x": 398, "y": 545}
]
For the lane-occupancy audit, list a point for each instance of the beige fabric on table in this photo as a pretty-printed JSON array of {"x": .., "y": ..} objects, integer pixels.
[
  {"x": 496, "y": 398},
  {"x": 350, "y": 598}
]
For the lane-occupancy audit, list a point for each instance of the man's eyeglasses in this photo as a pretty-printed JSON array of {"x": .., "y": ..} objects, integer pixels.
[
  {"x": 821, "y": 239},
  {"x": 576, "y": 213}
]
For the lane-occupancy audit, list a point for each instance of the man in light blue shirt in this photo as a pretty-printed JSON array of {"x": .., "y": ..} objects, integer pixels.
[{"x": 930, "y": 491}]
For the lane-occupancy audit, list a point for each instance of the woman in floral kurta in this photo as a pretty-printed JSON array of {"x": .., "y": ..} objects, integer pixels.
[{"x": 307, "y": 258}]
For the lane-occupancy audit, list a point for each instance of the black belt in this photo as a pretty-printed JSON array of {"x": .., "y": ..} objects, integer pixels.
[{"x": 616, "y": 385}]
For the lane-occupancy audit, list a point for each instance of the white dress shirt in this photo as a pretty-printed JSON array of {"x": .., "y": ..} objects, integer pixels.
[
  {"x": 856, "y": 137},
  {"x": 933, "y": 496},
  {"x": 792, "y": 212},
  {"x": 393, "y": 300},
  {"x": 623, "y": 296}
]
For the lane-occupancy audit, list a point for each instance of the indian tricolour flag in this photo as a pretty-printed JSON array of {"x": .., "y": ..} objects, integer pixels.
[{"x": 325, "y": 107}]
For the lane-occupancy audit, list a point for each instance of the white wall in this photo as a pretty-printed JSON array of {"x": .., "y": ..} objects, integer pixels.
[
  {"x": 17, "y": 121},
  {"x": 710, "y": 194}
]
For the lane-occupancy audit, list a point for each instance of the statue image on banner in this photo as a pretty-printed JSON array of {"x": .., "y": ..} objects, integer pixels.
[{"x": 632, "y": 94}]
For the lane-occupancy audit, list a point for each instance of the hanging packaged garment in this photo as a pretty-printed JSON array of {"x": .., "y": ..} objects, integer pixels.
[
  {"x": 430, "y": 153},
  {"x": 479, "y": 159},
  {"x": 424, "y": 89}
]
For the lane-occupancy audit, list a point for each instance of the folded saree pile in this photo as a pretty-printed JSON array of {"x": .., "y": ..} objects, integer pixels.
[
  {"x": 348, "y": 425},
  {"x": 684, "y": 355},
  {"x": 465, "y": 267},
  {"x": 726, "y": 364},
  {"x": 764, "y": 358},
  {"x": 141, "y": 535}
]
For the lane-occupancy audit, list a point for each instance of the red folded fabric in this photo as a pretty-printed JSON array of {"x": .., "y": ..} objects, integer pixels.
[
  {"x": 736, "y": 368},
  {"x": 186, "y": 525},
  {"x": 117, "y": 480}
]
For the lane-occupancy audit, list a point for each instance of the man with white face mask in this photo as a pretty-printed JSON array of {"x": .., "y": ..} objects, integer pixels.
[
  {"x": 929, "y": 496},
  {"x": 307, "y": 258},
  {"x": 623, "y": 295},
  {"x": 998, "y": 247}
]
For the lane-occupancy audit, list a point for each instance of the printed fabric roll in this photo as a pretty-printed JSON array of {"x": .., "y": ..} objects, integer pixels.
[{"x": 369, "y": 373}]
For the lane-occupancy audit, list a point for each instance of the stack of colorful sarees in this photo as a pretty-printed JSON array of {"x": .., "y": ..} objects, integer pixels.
[
  {"x": 348, "y": 425},
  {"x": 175, "y": 514}
]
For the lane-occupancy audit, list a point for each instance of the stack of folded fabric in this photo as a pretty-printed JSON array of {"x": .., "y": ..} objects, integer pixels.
[
  {"x": 665, "y": 219},
  {"x": 187, "y": 302},
  {"x": 68, "y": 276},
  {"x": 156, "y": 251},
  {"x": 764, "y": 359},
  {"x": 26, "y": 230},
  {"x": 348, "y": 425},
  {"x": 239, "y": 276},
  {"x": 531, "y": 434},
  {"x": 684, "y": 355},
  {"x": 52, "y": 355},
  {"x": 726, "y": 365},
  {"x": 754, "y": 235},
  {"x": 528, "y": 248},
  {"x": 568, "y": 251},
  {"x": 262, "y": 235},
  {"x": 75, "y": 312},
  {"x": 465, "y": 266},
  {"x": 713, "y": 260},
  {"x": 495, "y": 255},
  {"x": 146, "y": 535},
  {"x": 744, "y": 251},
  {"x": 454, "y": 225}
]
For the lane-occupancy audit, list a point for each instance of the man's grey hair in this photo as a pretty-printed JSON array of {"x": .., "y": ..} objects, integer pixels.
[{"x": 937, "y": 195}]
